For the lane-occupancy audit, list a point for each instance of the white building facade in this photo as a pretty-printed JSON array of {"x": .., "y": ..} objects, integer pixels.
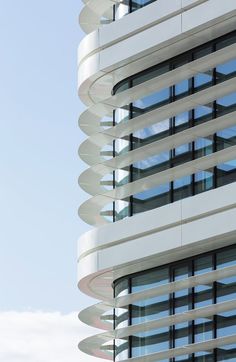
[{"x": 158, "y": 80}]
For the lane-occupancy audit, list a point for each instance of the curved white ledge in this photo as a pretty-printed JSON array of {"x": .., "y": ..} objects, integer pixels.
[
  {"x": 90, "y": 179},
  {"x": 185, "y": 228},
  {"x": 176, "y": 231},
  {"x": 122, "y": 28},
  {"x": 102, "y": 70},
  {"x": 89, "y": 120},
  {"x": 155, "y": 116},
  {"x": 190, "y": 348},
  {"x": 92, "y": 345},
  {"x": 90, "y": 210},
  {"x": 91, "y": 14},
  {"x": 92, "y": 315}
]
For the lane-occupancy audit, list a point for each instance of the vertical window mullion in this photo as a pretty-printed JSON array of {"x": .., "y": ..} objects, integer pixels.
[
  {"x": 130, "y": 149},
  {"x": 130, "y": 320},
  {"x": 214, "y": 115},
  {"x": 114, "y": 173},
  {"x": 130, "y": 6},
  {"x": 214, "y": 302}
]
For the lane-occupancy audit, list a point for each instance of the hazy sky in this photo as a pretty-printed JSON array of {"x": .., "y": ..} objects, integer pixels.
[{"x": 39, "y": 194}]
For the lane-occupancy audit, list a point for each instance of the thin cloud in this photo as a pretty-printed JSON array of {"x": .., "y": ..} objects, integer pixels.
[{"x": 42, "y": 337}]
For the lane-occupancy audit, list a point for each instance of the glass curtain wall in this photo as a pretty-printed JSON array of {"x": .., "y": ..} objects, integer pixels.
[
  {"x": 186, "y": 299},
  {"x": 188, "y": 185}
]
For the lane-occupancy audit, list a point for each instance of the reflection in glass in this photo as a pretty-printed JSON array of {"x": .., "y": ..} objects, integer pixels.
[
  {"x": 151, "y": 134},
  {"x": 203, "y": 80},
  {"x": 200, "y": 329},
  {"x": 121, "y": 114},
  {"x": 150, "y": 102},
  {"x": 121, "y": 349},
  {"x": 150, "y": 279},
  {"x": 226, "y": 104},
  {"x": 182, "y": 89},
  {"x": 226, "y": 173},
  {"x": 182, "y": 188},
  {"x": 226, "y": 138},
  {"x": 226, "y": 71},
  {"x": 226, "y": 323},
  {"x": 203, "y": 328},
  {"x": 226, "y": 353},
  {"x": 226, "y": 289},
  {"x": 121, "y": 317},
  {"x": 150, "y": 309},
  {"x": 151, "y": 165},
  {"x": 182, "y": 335},
  {"x": 181, "y": 122},
  {"x": 203, "y": 146},
  {"x": 150, "y": 342},
  {"x": 151, "y": 199},
  {"x": 226, "y": 258},
  {"x": 203, "y": 113},
  {"x": 203, "y": 181}
]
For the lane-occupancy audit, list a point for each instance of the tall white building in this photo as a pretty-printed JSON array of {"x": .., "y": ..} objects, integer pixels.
[{"x": 158, "y": 80}]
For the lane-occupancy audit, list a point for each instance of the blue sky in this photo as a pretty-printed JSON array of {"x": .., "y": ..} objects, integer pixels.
[
  {"x": 39, "y": 194},
  {"x": 39, "y": 165}
]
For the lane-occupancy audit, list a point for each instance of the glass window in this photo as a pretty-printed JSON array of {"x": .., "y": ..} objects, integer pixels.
[
  {"x": 203, "y": 113},
  {"x": 226, "y": 138},
  {"x": 203, "y": 264},
  {"x": 204, "y": 356},
  {"x": 203, "y": 329},
  {"x": 182, "y": 89},
  {"x": 121, "y": 288},
  {"x": 121, "y": 349},
  {"x": 182, "y": 154},
  {"x": 226, "y": 289},
  {"x": 203, "y": 80},
  {"x": 150, "y": 342},
  {"x": 225, "y": 258},
  {"x": 226, "y": 322},
  {"x": 151, "y": 199},
  {"x": 121, "y": 10},
  {"x": 226, "y": 353},
  {"x": 121, "y": 209},
  {"x": 203, "y": 181},
  {"x": 182, "y": 188},
  {"x": 151, "y": 279},
  {"x": 150, "y": 102},
  {"x": 203, "y": 294},
  {"x": 202, "y": 51},
  {"x": 121, "y": 317},
  {"x": 151, "y": 134},
  {"x": 150, "y": 74},
  {"x": 181, "y": 121},
  {"x": 151, "y": 166},
  {"x": 226, "y": 104},
  {"x": 226, "y": 41},
  {"x": 150, "y": 309},
  {"x": 181, "y": 334},
  {"x": 137, "y": 4},
  {"x": 203, "y": 146},
  {"x": 226, "y": 173},
  {"x": 121, "y": 114},
  {"x": 226, "y": 71}
]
